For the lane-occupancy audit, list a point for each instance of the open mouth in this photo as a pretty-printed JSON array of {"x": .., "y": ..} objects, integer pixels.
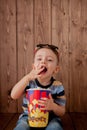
[{"x": 44, "y": 70}]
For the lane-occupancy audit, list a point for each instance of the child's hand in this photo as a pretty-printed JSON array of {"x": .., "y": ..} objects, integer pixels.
[
  {"x": 35, "y": 73},
  {"x": 46, "y": 104}
]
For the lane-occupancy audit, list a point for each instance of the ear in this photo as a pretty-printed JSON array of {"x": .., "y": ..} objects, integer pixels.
[{"x": 57, "y": 69}]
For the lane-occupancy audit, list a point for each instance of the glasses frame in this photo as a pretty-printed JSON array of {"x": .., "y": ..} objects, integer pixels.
[{"x": 52, "y": 47}]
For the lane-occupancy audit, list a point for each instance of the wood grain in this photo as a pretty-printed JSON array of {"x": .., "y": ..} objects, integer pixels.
[
  {"x": 7, "y": 54},
  {"x": 25, "y": 23},
  {"x": 42, "y": 21},
  {"x": 60, "y": 31},
  {"x": 25, "y": 39},
  {"x": 78, "y": 57}
]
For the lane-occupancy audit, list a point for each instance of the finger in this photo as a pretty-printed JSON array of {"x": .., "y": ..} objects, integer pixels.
[
  {"x": 42, "y": 108},
  {"x": 41, "y": 105},
  {"x": 41, "y": 102},
  {"x": 41, "y": 66},
  {"x": 40, "y": 70},
  {"x": 44, "y": 98},
  {"x": 50, "y": 96}
]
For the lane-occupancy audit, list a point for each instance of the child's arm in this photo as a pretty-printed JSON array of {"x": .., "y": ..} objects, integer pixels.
[
  {"x": 59, "y": 109},
  {"x": 18, "y": 89}
]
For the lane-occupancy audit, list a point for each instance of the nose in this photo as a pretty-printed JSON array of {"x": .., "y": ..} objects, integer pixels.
[{"x": 43, "y": 61}]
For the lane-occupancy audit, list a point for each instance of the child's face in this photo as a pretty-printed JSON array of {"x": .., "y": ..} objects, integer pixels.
[{"x": 46, "y": 59}]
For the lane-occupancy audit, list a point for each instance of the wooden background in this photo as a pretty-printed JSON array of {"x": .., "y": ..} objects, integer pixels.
[{"x": 25, "y": 23}]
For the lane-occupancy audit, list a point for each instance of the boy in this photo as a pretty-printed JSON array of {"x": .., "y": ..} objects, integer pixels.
[{"x": 45, "y": 66}]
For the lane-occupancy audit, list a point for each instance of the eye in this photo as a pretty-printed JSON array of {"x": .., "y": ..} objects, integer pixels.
[
  {"x": 39, "y": 59},
  {"x": 50, "y": 60}
]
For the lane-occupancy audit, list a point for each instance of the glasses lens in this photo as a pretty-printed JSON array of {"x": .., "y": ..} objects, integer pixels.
[
  {"x": 53, "y": 47},
  {"x": 47, "y": 45},
  {"x": 40, "y": 45}
]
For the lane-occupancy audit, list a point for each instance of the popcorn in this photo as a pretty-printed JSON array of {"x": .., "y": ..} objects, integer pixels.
[{"x": 38, "y": 118}]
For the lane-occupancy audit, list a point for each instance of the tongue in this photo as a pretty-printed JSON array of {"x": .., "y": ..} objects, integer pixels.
[{"x": 44, "y": 70}]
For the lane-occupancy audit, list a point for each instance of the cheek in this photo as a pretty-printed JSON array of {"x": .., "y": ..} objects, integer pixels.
[
  {"x": 51, "y": 68},
  {"x": 53, "y": 65}
]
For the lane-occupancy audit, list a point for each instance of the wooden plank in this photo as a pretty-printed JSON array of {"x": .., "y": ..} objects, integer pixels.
[
  {"x": 24, "y": 39},
  {"x": 67, "y": 122},
  {"x": 8, "y": 121},
  {"x": 70, "y": 121},
  {"x": 78, "y": 57},
  {"x": 7, "y": 54},
  {"x": 60, "y": 30},
  {"x": 79, "y": 120},
  {"x": 83, "y": 82},
  {"x": 42, "y": 21},
  {"x": 12, "y": 123},
  {"x": 4, "y": 119}
]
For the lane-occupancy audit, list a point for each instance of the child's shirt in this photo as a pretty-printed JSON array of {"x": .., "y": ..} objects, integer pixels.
[{"x": 57, "y": 90}]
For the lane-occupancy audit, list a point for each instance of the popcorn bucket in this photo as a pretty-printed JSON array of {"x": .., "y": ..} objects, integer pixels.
[{"x": 37, "y": 117}]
